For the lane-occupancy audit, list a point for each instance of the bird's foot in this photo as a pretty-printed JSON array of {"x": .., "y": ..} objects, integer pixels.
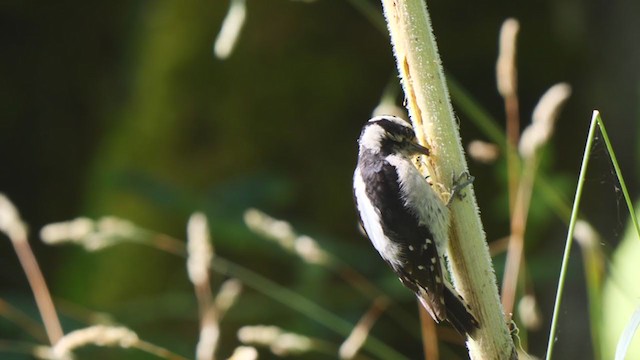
[{"x": 459, "y": 183}]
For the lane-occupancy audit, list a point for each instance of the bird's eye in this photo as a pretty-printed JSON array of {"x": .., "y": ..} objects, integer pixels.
[{"x": 410, "y": 134}]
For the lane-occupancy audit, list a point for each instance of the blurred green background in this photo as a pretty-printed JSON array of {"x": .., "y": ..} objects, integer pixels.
[{"x": 121, "y": 108}]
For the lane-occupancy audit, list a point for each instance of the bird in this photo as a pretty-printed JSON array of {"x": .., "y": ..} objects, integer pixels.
[{"x": 405, "y": 219}]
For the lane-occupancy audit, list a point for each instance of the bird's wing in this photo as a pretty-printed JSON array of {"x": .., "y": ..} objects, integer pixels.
[{"x": 419, "y": 267}]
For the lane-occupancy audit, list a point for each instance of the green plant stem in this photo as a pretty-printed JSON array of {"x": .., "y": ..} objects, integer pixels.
[
  {"x": 569, "y": 242},
  {"x": 596, "y": 121},
  {"x": 616, "y": 166},
  {"x": 431, "y": 112}
]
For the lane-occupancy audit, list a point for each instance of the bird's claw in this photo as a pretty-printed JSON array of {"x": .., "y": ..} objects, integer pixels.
[{"x": 459, "y": 183}]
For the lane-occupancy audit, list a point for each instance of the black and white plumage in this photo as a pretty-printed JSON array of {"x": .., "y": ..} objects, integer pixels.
[{"x": 405, "y": 219}]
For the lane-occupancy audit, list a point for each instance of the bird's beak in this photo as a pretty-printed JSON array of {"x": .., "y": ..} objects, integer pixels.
[{"x": 419, "y": 149}]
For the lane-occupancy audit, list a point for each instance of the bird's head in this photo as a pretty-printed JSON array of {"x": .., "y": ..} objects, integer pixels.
[{"x": 390, "y": 135}]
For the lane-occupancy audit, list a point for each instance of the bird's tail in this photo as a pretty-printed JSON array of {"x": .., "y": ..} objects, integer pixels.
[{"x": 458, "y": 313}]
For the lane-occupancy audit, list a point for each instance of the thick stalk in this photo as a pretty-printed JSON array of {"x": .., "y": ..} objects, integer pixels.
[{"x": 432, "y": 116}]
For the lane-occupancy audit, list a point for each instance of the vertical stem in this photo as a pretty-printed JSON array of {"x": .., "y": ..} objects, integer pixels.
[
  {"x": 432, "y": 116},
  {"x": 513, "y": 132},
  {"x": 429, "y": 335},
  {"x": 518, "y": 229},
  {"x": 12, "y": 225},
  {"x": 506, "y": 72},
  {"x": 40, "y": 290},
  {"x": 569, "y": 242}
]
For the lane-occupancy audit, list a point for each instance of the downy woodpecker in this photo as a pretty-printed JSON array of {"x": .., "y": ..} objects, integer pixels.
[{"x": 406, "y": 221}]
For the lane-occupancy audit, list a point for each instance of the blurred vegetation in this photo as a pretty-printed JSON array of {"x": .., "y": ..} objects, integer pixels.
[
  {"x": 120, "y": 108},
  {"x": 620, "y": 299}
]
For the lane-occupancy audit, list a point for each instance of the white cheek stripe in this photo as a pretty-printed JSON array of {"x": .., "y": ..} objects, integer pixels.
[
  {"x": 371, "y": 222},
  {"x": 371, "y": 138}
]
